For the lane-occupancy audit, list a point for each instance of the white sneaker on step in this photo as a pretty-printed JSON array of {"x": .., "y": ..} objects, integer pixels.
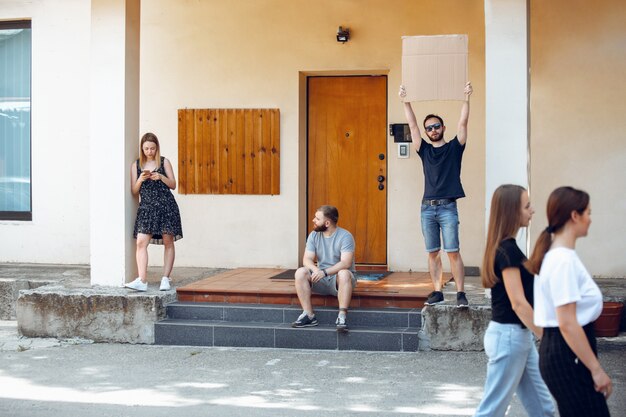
[
  {"x": 137, "y": 285},
  {"x": 165, "y": 284}
]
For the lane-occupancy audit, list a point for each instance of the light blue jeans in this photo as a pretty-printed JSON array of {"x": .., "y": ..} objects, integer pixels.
[{"x": 513, "y": 368}]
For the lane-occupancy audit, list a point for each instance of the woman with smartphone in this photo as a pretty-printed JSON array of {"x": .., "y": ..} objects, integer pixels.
[{"x": 158, "y": 217}]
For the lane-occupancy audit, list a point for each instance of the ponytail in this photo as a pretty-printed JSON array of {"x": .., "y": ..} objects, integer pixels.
[
  {"x": 561, "y": 203},
  {"x": 533, "y": 265}
]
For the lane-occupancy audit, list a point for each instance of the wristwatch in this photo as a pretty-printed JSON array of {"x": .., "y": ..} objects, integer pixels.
[{"x": 325, "y": 273}]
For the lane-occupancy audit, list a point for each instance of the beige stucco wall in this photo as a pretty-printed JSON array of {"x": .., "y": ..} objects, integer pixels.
[
  {"x": 59, "y": 231},
  {"x": 578, "y": 128},
  {"x": 253, "y": 54},
  {"x": 244, "y": 53}
]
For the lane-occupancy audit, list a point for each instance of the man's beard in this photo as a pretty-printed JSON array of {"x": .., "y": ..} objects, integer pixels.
[
  {"x": 436, "y": 139},
  {"x": 321, "y": 228}
]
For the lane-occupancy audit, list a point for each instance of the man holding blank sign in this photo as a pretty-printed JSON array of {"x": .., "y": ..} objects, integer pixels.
[{"x": 441, "y": 162}]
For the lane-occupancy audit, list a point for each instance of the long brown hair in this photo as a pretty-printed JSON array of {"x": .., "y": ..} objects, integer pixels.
[
  {"x": 149, "y": 137},
  {"x": 504, "y": 222},
  {"x": 561, "y": 203}
]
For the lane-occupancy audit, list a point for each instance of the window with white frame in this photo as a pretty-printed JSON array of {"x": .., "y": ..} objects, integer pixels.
[{"x": 15, "y": 138}]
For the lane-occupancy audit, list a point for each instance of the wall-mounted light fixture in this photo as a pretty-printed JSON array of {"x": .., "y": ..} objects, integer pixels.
[{"x": 343, "y": 34}]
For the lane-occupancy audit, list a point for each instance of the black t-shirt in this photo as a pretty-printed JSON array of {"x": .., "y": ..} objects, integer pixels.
[
  {"x": 509, "y": 255},
  {"x": 442, "y": 169}
]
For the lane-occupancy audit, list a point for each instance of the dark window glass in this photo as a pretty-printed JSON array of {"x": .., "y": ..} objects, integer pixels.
[{"x": 15, "y": 141}]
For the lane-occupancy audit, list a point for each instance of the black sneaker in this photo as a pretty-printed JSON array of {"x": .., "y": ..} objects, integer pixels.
[
  {"x": 461, "y": 300},
  {"x": 305, "y": 321},
  {"x": 435, "y": 297}
]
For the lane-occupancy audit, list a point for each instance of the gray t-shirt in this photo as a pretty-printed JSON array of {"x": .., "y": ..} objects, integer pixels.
[{"x": 328, "y": 250}]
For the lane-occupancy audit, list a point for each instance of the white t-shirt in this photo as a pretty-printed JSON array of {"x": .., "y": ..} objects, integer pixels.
[{"x": 562, "y": 280}]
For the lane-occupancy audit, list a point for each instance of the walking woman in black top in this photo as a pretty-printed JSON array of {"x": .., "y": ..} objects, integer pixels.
[{"x": 513, "y": 360}]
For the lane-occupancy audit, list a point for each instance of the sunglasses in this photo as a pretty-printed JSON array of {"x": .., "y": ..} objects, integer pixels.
[{"x": 433, "y": 127}]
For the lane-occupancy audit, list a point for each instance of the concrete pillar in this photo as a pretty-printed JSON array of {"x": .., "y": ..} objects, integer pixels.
[
  {"x": 507, "y": 97},
  {"x": 113, "y": 139}
]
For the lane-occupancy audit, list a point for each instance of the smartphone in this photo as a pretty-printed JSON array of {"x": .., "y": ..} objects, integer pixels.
[{"x": 146, "y": 171}]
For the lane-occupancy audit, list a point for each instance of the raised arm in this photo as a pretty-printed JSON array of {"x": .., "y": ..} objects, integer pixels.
[
  {"x": 462, "y": 128},
  {"x": 416, "y": 136}
]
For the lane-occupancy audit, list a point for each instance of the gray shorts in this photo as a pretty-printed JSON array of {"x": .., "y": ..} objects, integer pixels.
[{"x": 328, "y": 285}]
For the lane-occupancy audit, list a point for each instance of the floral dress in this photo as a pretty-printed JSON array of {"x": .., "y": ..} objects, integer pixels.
[{"x": 158, "y": 212}]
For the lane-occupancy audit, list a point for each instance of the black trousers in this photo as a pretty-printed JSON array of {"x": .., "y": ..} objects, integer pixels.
[{"x": 567, "y": 378}]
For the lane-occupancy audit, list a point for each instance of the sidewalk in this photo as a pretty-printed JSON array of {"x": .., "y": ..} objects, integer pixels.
[{"x": 48, "y": 377}]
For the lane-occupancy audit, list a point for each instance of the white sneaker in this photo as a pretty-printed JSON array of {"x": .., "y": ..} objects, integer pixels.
[
  {"x": 165, "y": 284},
  {"x": 341, "y": 323},
  {"x": 137, "y": 285}
]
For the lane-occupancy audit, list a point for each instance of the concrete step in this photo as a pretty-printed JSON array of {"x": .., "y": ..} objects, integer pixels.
[
  {"x": 262, "y": 325},
  {"x": 275, "y": 335}
]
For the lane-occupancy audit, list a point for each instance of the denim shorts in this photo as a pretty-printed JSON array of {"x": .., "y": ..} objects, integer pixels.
[{"x": 437, "y": 221}]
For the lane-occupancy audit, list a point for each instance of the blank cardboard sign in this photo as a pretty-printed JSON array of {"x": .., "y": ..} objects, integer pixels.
[{"x": 434, "y": 67}]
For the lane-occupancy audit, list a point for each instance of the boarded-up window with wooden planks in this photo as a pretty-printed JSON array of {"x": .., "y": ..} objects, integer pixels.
[{"x": 229, "y": 151}]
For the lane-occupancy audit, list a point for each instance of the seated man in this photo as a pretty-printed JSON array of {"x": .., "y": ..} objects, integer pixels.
[{"x": 334, "y": 273}]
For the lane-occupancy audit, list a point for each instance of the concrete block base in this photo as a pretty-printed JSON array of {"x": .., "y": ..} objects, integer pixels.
[
  {"x": 9, "y": 291},
  {"x": 102, "y": 314},
  {"x": 446, "y": 327}
]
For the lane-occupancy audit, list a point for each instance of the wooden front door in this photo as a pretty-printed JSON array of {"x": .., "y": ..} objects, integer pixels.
[{"x": 347, "y": 158}]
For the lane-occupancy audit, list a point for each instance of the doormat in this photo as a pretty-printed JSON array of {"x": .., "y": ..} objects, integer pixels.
[
  {"x": 360, "y": 276},
  {"x": 288, "y": 274},
  {"x": 372, "y": 275}
]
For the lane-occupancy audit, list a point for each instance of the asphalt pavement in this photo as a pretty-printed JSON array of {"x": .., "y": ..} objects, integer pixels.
[{"x": 50, "y": 377}]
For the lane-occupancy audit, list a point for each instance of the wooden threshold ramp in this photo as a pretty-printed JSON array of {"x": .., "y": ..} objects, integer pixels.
[{"x": 255, "y": 286}]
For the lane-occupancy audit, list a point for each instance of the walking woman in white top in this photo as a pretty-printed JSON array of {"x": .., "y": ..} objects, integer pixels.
[
  {"x": 567, "y": 302},
  {"x": 509, "y": 343}
]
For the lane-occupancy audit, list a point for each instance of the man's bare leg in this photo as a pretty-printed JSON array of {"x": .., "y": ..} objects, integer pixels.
[
  {"x": 458, "y": 270},
  {"x": 344, "y": 288},
  {"x": 303, "y": 289},
  {"x": 435, "y": 268},
  {"x": 344, "y": 295}
]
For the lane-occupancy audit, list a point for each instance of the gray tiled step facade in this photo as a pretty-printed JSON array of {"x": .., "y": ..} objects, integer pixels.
[
  {"x": 268, "y": 313},
  {"x": 245, "y": 325}
]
